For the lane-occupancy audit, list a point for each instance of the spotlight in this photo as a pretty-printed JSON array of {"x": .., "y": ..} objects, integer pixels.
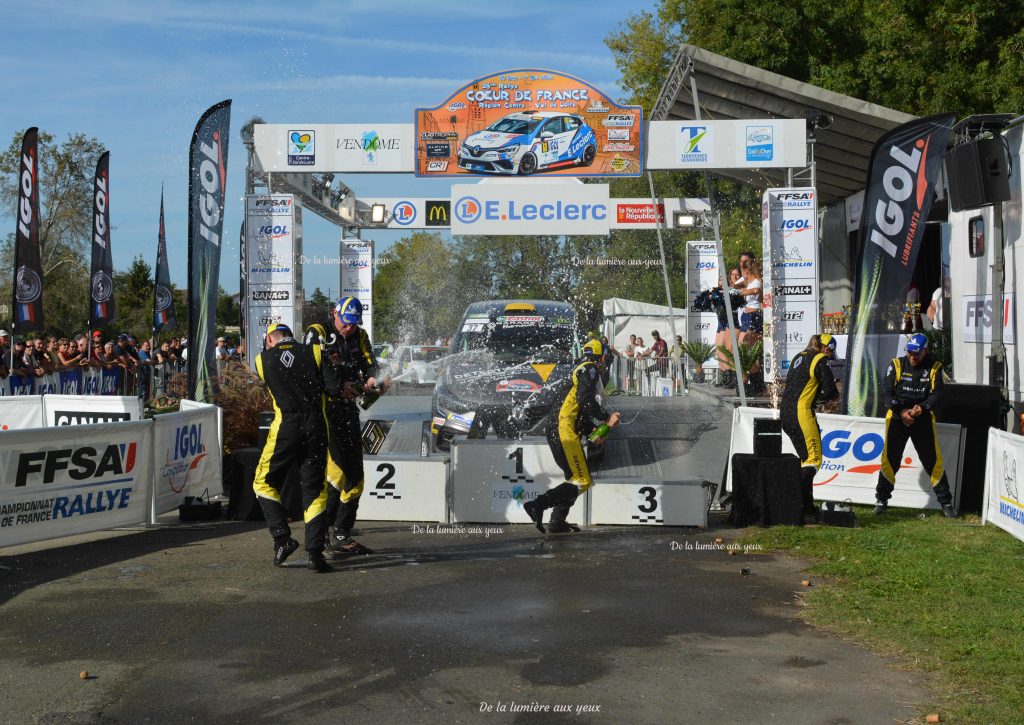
[
  {"x": 685, "y": 220},
  {"x": 378, "y": 212}
]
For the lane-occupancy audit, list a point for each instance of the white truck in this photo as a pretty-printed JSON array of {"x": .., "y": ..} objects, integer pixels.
[{"x": 986, "y": 257}]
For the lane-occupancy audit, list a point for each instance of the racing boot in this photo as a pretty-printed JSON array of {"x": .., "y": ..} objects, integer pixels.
[
  {"x": 317, "y": 563},
  {"x": 807, "y": 490},
  {"x": 284, "y": 546},
  {"x": 344, "y": 545},
  {"x": 558, "y": 524},
  {"x": 881, "y": 507},
  {"x": 535, "y": 510}
]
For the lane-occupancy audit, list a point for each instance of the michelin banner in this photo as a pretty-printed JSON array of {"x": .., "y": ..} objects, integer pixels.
[
  {"x": 790, "y": 276},
  {"x": 357, "y": 277},
  {"x": 53, "y": 485},
  {"x": 186, "y": 457},
  {"x": 852, "y": 453},
  {"x": 273, "y": 276},
  {"x": 701, "y": 274},
  {"x": 523, "y": 121},
  {"x": 1004, "y": 496}
]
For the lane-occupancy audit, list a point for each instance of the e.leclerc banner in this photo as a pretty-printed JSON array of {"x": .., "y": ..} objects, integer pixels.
[
  {"x": 28, "y": 271},
  {"x": 904, "y": 167},
  {"x": 208, "y": 168},
  {"x": 524, "y": 121},
  {"x": 101, "y": 288},
  {"x": 163, "y": 306}
]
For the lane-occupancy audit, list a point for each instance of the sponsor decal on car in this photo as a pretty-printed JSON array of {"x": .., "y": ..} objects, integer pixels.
[{"x": 508, "y": 386}]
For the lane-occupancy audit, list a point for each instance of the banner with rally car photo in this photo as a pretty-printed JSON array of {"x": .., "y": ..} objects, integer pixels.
[{"x": 526, "y": 121}]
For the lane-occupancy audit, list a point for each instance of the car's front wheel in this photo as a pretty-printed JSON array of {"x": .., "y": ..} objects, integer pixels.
[
  {"x": 589, "y": 154},
  {"x": 528, "y": 164}
]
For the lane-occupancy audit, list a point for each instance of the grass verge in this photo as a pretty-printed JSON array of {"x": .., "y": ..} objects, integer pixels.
[{"x": 946, "y": 596}]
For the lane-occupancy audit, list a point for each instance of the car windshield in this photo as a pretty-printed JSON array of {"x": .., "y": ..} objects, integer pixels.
[
  {"x": 514, "y": 125},
  {"x": 517, "y": 342}
]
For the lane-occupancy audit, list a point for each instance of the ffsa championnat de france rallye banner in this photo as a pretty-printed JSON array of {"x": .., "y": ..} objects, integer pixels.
[{"x": 96, "y": 479}]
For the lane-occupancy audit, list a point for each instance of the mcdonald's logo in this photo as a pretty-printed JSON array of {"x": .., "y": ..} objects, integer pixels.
[{"x": 439, "y": 213}]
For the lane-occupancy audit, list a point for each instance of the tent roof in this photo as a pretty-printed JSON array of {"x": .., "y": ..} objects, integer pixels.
[
  {"x": 619, "y": 306},
  {"x": 730, "y": 90}
]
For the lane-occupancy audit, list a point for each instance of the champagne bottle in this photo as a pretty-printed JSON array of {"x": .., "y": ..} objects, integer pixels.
[
  {"x": 368, "y": 398},
  {"x": 600, "y": 432}
]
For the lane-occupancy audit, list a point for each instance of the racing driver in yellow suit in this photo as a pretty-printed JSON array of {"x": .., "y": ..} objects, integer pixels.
[
  {"x": 578, "y": 415},
  {"x": 808, "y": 382}
]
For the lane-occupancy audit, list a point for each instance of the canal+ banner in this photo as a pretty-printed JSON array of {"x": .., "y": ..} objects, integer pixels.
[
  {"x": 530, "y": 208},
  {"x": 54, "y": 485}
]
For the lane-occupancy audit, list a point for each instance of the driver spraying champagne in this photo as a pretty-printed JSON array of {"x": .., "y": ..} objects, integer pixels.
[
  {"x": 350, "y": 370},
  {"x": 580, "y": 414}
]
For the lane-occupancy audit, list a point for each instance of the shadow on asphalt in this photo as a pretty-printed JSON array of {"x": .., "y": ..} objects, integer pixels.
[{"x": 20, "y": 572}]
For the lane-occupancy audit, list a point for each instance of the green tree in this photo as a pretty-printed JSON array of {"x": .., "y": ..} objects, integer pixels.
[
  {"x": 421, "y": 288},
  {"x": 133, "y": 297},
  {"x": 317, "y": 307},
  {"x": 66, "y": 172},
  {"x": 228, "y": 313}
]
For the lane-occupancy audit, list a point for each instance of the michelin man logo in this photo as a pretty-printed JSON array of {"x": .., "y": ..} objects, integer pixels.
[{"x": 1010, "y": 475}]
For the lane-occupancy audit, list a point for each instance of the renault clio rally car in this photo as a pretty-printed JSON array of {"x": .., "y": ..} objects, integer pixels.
[
  {"x": 522, "y": 143},
  {"x": 510, "y": 361}
]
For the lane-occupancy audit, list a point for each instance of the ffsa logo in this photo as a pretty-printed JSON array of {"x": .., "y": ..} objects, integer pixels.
[{"x": 75, "y": 464}]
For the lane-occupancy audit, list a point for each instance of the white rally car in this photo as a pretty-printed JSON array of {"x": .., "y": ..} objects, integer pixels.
[{"x": 522, "y": 143}]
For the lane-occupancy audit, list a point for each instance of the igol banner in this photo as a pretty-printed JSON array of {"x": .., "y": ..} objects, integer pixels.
[
  {"x": 904, "y": 167},
  {"x": 101, "y": 307},
  {"x": 208, "y": 167},
  {"x": 163, "y": 303},
  {"x": 28, "y": 272}
]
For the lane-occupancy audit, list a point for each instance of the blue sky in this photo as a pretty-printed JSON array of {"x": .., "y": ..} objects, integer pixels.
[{"x": 137, "y": 75}]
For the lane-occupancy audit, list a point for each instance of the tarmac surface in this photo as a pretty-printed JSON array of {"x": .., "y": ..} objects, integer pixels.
[{"x": 455, "y": 623}]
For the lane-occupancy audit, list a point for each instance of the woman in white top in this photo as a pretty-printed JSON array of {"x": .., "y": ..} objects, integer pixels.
[{"x": 751, "y": 317}]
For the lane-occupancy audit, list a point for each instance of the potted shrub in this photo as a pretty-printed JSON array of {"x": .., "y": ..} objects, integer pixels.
[
  {"x": 750, "y": 355},
  {"x": 698, "y": 351}
]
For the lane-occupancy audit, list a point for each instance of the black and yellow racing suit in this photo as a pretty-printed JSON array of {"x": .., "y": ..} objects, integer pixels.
[
  {"x": 344, "y": 360},
  {"x": 298, "y": 435},
  {"x": 809, "y": 380},
  {"x": 577, "y": 415},
  {"x": 907, "y": 386}
]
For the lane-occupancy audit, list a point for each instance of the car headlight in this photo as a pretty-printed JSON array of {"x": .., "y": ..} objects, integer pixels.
[{"x": 511, "y": 151}]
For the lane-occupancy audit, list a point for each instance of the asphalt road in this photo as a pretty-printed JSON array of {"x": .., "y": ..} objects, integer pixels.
[{"x": 192, "y": 623}]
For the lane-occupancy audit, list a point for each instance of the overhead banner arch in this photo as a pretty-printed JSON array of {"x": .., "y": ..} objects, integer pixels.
[{"x": 525, "y": 121}]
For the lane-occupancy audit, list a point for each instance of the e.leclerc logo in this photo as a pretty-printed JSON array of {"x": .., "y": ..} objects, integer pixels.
[
  {"x": 468, "y": 210},
  {"x": 404, "y": 213}
]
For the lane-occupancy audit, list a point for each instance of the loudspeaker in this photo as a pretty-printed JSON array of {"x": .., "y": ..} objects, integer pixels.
[
  {"x": 767, "y": 437},
  {"x": 977, "y": 174},
  {"x": 977, "y": 408},
  {"x": 766, "y": 490}
]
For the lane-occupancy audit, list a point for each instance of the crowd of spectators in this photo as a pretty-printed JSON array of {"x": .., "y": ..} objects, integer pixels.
[{"x": 143, "y": 369}]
